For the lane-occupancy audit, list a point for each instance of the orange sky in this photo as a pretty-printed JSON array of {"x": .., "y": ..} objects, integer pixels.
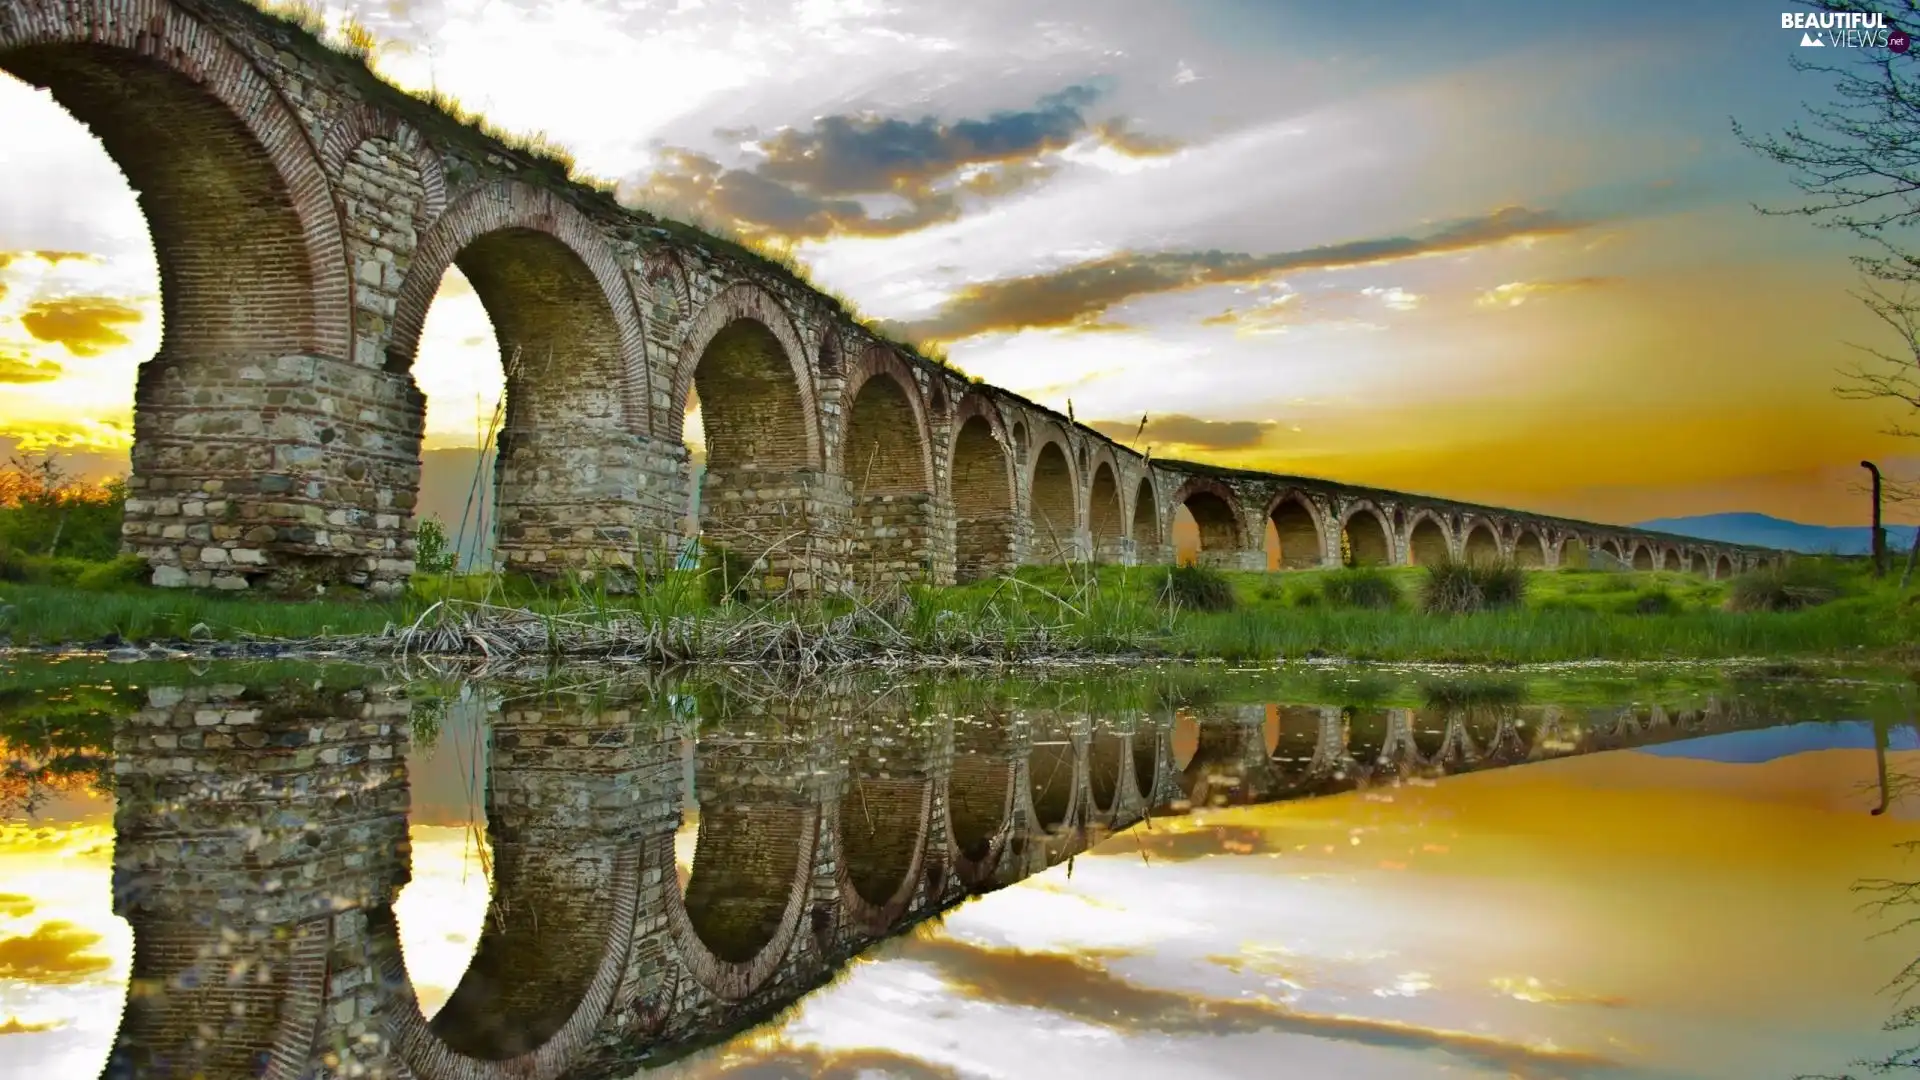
[{"x": 1457, "y": 256}]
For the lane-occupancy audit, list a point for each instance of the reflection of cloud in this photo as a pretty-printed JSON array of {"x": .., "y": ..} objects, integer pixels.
[
  {"x": 85, "y": 325},
  {"x": 15, "y": 906},
  {"x": 1531, "y": 989},
  {"x": 1084, "y": 992},
  {"x": 810, "y": 184},
  {"x": 1077, "y": 294},
  {"x": 1515, "y": 293},
  {"x": 1189, "y": 431},
  {"x": 18, "y": 367},
  {"x": 13, "y": 1025},
  {"x": 777, "y": 1062},
  {"x": 56, "y": 952}
]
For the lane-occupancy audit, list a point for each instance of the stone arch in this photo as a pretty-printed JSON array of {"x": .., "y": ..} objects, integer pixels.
[
  {"x": 1144, "y": 526},
  {"x": 1429, "y": 542},
  {"x": 1697, "y": 564},
  {"x": 980, "y": 481},
  {"x": 1296, "y": 524},
  {"x": 886, "y": 446},
  {"x": 1672, "y": 558},
  {"x": 761, "y": 376},
  {"x": 1106, "y": 511},
  {"x": 1216, "y": 510},
  {"x": 500, "y": 1024},
  {"x": 1017, "y": 433},
  {"x": 879, "y": 868},
  {"x": 1529, "y": 548},
  {"x": 1643, "y": 557},
  {"x": 1723, "y": 566},
  {"x": 1368, "y": 540},
  {"x": 1612, "y": 547},
  {"x": 174, "y": 105},
  {"x": 665, "y": 277},
  {"x": 832, "y": 351},
  {"x": 359, "y": 123},
  {"x": 1052, "y": 503},
  {"x": 549, "y": 283},
  {"x": 737, "y": 916},
  {"x": 1482, "y": 542}
]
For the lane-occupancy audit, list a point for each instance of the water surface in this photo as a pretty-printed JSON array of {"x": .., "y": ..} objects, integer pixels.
[{"x": 229, "y": 870}]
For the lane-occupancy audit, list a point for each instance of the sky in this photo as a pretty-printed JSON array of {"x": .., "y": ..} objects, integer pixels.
[
  {"x": 1588, "y": 917},
  {"x": 1488, "y": 250}
]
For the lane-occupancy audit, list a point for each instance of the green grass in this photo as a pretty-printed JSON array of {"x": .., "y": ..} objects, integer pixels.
[{"x": 1369, "y": 614}]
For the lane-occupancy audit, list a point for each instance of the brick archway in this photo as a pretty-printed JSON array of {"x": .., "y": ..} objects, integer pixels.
[
  {"x": 1643, "y": 557},
  {"x": 885, "y": 444},
  {"x": 1480, "y": 541},
  {"x": 172, "y": 101},
  {"x": 1106, "y": 508},
  {"x": 549, "y": 282},
  {"x": 769, "y": 374},
  {"x": 1369, "y": 539},
  {"x": 1053, "y": 500},
  {"x": 1428, "y": 541},
  {"x": 980, "y": 484},
  {"x": 1297, "y": 527},
  {"x": 1215, "y": 509},
  {"x": 1529, "y": 548}
]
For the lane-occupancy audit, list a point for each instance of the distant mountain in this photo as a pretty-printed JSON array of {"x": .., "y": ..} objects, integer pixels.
[{"x": 1773, "y": 532}]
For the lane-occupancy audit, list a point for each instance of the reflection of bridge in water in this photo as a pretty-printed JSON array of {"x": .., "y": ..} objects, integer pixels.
[{"x": 263, "y": 839}]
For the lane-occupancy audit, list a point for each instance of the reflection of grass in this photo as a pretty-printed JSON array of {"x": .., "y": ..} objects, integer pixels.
[{"x": 1575, "y": 615}]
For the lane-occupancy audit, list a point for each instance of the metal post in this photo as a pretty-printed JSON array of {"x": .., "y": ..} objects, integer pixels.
[{"x": 1879, "y": 534}]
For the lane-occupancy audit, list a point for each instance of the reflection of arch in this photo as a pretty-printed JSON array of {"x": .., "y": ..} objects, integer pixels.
[
  {"x": 980, "y": 791},
  {"x": 884, "y": 448},
  {"x": 1296, "y": 523},
  {"x": 1294, "y": 745},
  {"x": 731, "y": 924},
  {"x": 1051, "y": 501},
  {"x": 252, "y": 266},
  {"x": 1106, "y": 767},
  {"x": 1482, "y": 544},
  {"x": 1215, "y": 510},
  {"x": 879, "y": 858},
  {"x": 757, "y": 401},
  {"x": 1053, "y": 784},
  {"x": 1642, "y": 557},
  {"x": 1368, "y": 541},
  {"x": 980, "y": 476},
  {"x": 500, "y": 1024},
  {"x": 1529, "y": 549},
  {"x": 1427, "y": 541}
]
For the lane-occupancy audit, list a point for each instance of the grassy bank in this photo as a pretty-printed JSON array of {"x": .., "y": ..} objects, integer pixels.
[{"x": 1820, "y": 609}]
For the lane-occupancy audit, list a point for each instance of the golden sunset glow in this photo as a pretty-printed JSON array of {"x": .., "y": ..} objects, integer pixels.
[{"x": 1512, "y": 271}]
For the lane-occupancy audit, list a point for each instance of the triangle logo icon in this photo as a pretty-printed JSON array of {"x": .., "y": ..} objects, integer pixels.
[{"x": 1808, "y": 41}]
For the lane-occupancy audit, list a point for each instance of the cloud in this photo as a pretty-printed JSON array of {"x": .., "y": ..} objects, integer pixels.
[
  {"x": 51, "y": 258},
  {"x": 1515, "y": 293},
  {"x": 56, "y": 952},
  {"x": 1078, "y": 294},
  {"x": 1191, "y": 431},
  {"x": 810, "y": 184},
  {"x": 15, "y": 906},
  {"x": 1084, "y": 991},
  {"x": 18, "y": 367},
  {"x": 1395, "y": 297},
  {"x": 13, "y": 1025},
  {"x": 84, "y": 325}
]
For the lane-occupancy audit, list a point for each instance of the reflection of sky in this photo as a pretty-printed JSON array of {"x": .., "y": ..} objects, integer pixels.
[
  {"x": 1628, "y": 914},
  {"x": 1766, "y": 744},
  {"x": 1614, "y": 915}
]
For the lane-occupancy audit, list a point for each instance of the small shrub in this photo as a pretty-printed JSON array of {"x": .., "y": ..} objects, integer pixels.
[
  {"x": 725, "y": 571},
  {"x": 1307, "y": 597},
  {"x": 1452, "y": 587},
  {"x": 115, "y": 574},
  {"x": 431, "y": 552},
  {"x": 1360, "y": 587},
  {"x": 1197, "y": 588},
  {"x": 1800, "y": 584},
  {"x": 1653, "y": 600}
]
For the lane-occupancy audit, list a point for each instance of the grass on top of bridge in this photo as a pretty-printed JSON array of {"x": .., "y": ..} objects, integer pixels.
[{"x": 1564, "y": 615}]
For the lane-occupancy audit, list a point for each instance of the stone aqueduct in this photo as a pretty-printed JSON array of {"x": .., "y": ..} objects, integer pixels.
[
  {"x": 303, "y": 214},
  {"x": 262, "y": 839}
]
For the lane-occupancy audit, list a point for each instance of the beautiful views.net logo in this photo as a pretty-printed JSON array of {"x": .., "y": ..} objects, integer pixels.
[{"x": 1846, "y": 30}]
